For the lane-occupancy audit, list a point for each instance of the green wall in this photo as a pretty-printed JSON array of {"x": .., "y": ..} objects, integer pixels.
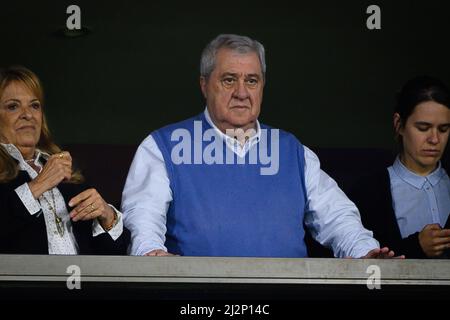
[{"x": 330, "y": 80}]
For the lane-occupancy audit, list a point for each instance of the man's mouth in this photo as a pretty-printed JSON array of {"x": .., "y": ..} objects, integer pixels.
[{"x": 240, "y": 107}]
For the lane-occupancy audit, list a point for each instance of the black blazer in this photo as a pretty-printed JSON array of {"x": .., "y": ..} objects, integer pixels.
[
  {"x": 372, "y": 196},
  {"x": 23, "y": 233}
]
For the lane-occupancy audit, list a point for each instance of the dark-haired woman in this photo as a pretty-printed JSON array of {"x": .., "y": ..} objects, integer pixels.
[{"x": 407, "y": 205}]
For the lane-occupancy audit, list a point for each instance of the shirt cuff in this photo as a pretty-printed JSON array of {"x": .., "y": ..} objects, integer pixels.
[
  {"x": 115, "y": 232},
  {"x": 24, "y": 193}
]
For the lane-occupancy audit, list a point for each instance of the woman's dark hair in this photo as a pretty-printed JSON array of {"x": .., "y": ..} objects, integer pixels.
[
  {"x": 415, "y": 91},
  {"x": 418, "y": 90}
]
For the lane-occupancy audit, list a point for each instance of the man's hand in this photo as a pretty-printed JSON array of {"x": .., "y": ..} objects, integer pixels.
[
  {"x": 159, "y": 253},
  {"x": 383, "y": 253},
  {"x": 434, "y": 240},
  {"x": 57, "y": 169}
]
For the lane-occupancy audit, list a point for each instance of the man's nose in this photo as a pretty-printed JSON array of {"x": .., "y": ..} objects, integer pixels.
[{"x": 241, "y": 91}]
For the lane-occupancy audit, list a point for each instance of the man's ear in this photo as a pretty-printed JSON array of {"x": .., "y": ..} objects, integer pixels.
[
  {"x": 397, "y": 121},
  {"x": 203, "y": 83}
]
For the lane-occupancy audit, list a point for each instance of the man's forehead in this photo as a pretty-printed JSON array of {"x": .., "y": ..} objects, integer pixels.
[
  {"x": 240, "y": 74},
  {"x": 229, "y": 61}
]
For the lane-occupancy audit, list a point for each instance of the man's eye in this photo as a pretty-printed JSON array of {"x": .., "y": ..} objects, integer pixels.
[
  {"x": 252, "y": 82},
  {"x": 228, "y": 81},
  {"x": 443, "y": 129},
  {"x": 423, "y": 129}
]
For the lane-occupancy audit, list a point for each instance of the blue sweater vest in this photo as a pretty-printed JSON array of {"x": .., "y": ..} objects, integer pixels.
[{"x": 231, "y": 209}]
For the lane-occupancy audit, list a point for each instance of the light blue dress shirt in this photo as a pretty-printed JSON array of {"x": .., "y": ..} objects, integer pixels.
[
  {"x": 333, "y": 220},
  {"x": 417, "y": 200}
]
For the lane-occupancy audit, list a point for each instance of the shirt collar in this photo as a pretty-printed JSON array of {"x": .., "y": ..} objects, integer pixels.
[
  {"x": 253, "y": 139},
  {"x": 414, "y": 179},
  {"x": 15, "y": 153}
]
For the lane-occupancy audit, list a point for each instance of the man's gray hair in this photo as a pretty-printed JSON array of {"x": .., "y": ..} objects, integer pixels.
[{"x": 240, "y": 44}]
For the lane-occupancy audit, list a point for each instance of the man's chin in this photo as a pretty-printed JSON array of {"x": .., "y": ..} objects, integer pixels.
[
  {"x": 241, "y": 121},
  {"x": 239, "y": 111}
]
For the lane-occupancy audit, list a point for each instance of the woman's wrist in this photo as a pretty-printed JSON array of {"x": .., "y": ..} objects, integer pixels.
[
  {"x": 108, "y": 223},
  {"x": 36, "y": 189}
]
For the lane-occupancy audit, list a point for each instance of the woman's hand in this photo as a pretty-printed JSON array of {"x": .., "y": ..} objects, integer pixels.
[
  {"x": 57, "y": 169},
  {"x": 434, "y": 240},
  {"x": 89, "y": 205}
]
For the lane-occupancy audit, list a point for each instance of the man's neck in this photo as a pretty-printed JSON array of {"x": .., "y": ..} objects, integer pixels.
[{"x": 241, "y": 134}]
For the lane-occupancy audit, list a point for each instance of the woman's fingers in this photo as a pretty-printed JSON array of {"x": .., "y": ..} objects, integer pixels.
[
  {"x": 57, "y": 168},
  {"x": 86, "y": 211},
  {"x": 87, "y": 205}
]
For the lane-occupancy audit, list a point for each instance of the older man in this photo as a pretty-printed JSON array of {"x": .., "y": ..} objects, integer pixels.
[{"x": 222, "y": 184}]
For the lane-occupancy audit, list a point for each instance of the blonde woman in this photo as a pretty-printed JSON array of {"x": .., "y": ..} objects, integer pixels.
[{"x": 45, "y": 207}]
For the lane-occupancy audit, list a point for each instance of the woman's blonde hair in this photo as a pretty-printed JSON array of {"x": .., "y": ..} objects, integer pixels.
[{"x": 9, "y": 168}]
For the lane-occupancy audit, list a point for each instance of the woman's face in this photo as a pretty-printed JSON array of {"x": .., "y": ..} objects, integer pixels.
[
  {"x": 20, "y": 117},
  {"x": 425, "y": 135}
]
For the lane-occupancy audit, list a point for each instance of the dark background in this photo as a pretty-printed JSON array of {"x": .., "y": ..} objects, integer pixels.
[{"x": 330, "y": 80}]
